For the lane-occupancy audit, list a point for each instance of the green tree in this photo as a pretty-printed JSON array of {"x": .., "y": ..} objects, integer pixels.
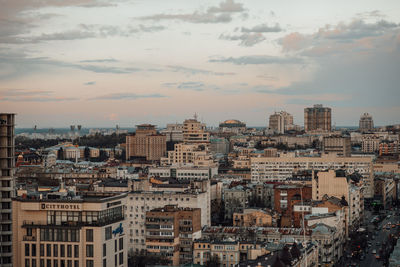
[
  {"x": 213, "y": 262},
  {"x": 87, "y": 153},
  {"x": 60, "y": 154}
]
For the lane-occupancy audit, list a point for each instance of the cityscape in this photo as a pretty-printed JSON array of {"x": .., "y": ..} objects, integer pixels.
[{"x": 215, "y": 133}]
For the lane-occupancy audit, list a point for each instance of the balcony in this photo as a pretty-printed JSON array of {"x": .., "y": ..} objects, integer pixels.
[{"x": 29, "y": 238}]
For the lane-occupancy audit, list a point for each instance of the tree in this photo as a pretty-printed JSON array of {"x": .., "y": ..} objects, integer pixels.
[
  {"x": 213, "y": 262},
  {"x": 87, "y": 153},
  {"x": 60, "y": 154},
  {"x": 140, "y": 259}
]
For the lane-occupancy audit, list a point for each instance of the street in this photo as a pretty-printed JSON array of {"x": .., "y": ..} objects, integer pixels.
[{"x": 376, "y": 240}]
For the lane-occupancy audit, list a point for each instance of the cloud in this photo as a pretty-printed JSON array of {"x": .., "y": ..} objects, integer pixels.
[
  {"x": 123, "y": 96},
  {"x": 194, "y": 86},
  {"x": 357, "y": 60},
  {"x": 194, "y": 71},
  {"x": 219, "y": 14},
  {"x": 20, "y": 16},
  {"x": 16, "y": 65},
  {"x": 258, "y": 60},
  {"x": 151, "y": 28},
  {"x": 246, "y": 39},
  {"x": 251, "y": 36},
  {"x": 229, "y": 6},
  {"x": 90, "y": 83},
  {"x": 370, "y": 14},
  {"x": 102, "y": 60},
  {"x": 338, "y": 36},
  {"x": 23, "y": 92},
  {"x": 23, "y": 95},
  {"x": 263, "y": 28}
]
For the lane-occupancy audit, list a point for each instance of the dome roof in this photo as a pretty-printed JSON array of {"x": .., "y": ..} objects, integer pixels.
[{"x": 232, "y": 122}]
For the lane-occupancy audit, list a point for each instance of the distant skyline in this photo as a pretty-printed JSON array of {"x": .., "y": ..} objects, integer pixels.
[{"x": 100, "y": 63}]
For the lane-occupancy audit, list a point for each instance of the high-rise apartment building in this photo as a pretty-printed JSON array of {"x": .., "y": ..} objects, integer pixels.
[
  {"x": 146, "y": 143},
  {"x": 170, "y": 232},
  {"x": 7, "y": 163},
  {"x": 317, "y": 118},
  {"x": 366, "y": 123},
  {"x": 279, "y": 122},
  {"x": 63, "y": 230},
  {"x": 195, "y": 132}
]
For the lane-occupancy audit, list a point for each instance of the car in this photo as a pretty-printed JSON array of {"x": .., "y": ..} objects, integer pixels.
[
  {"x": 377, "y": 256},
  {"x": 374, "y": 251}
]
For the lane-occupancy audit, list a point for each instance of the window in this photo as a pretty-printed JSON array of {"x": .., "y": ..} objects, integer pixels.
[
  {"x": 121, "y": 243},
  {"x": 27, "y": 263},
  {"x": 89, "y": 235},
  {"x": 69, "y": 263},
  {"x": 55, "y": 250},
  {"x": 42, "y": 262},
  {"x": 104, "y": 262},
  {"x": 33, "y": 252},
  {"x": 29, "y": 231},
  {"x": 48, "y": 263},
  {"x": 121, "y": 258},
  {"x": 89, "y": 250},
  {"x": 76, "y": 251},
  {"x": 115, "y": 245},
  {"x": 26, "y": 250},
  {"x": 55, "y": 263},
  {"x": 33, "y": 260},
  {"x": 62, "y": 251},
  {"x": 76, "y": 263},
  {"x": 42, "y": 251},
  {"x": 89, "y": 263},
  {"x": 115, "y": 260},
  {"x": 104, "y": 250},
  {"x": 48, "y": 250},
  {"x": 69, "y": 252},
  {"x": 108, "y": 233}
]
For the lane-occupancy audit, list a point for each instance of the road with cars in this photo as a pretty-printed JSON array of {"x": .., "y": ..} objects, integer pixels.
[{"x": 379, "y": 236}]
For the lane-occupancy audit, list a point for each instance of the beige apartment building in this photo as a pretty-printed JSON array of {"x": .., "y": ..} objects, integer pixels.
[
  {"x": 139, "y": 202},
  {"x": 340, "y": 146},
  {"x": 280, "y": 168},
  {"x": 192, "y": 154},
  {"x": 279, "y": 122},
  {"x": 338, "y": 184},
  {"x": 7, "y": 185},
  {"x": 146, "y": 143},
  {"x": 366, "y": 123},
  {"x": 195, "y": 132},
  {"x": 170, "y": 232},
  {"x": 228, "y": 252},
  {"x": 252, "y": 217},
  {"x": 64, "y": 231}
]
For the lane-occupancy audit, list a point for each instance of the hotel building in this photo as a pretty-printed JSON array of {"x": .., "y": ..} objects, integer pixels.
[
  {"x": 62, "y": 230},
  {"x": 146, "y": 143}
]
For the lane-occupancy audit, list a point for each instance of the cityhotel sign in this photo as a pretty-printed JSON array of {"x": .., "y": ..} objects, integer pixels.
[{"x": 60, "y": 206}]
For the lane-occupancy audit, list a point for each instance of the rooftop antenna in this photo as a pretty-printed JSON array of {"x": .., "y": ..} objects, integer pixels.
[{"x": 195, "y": 116}]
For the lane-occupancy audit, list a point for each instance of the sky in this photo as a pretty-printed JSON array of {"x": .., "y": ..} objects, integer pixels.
[{"x": 99, "y": 63}]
